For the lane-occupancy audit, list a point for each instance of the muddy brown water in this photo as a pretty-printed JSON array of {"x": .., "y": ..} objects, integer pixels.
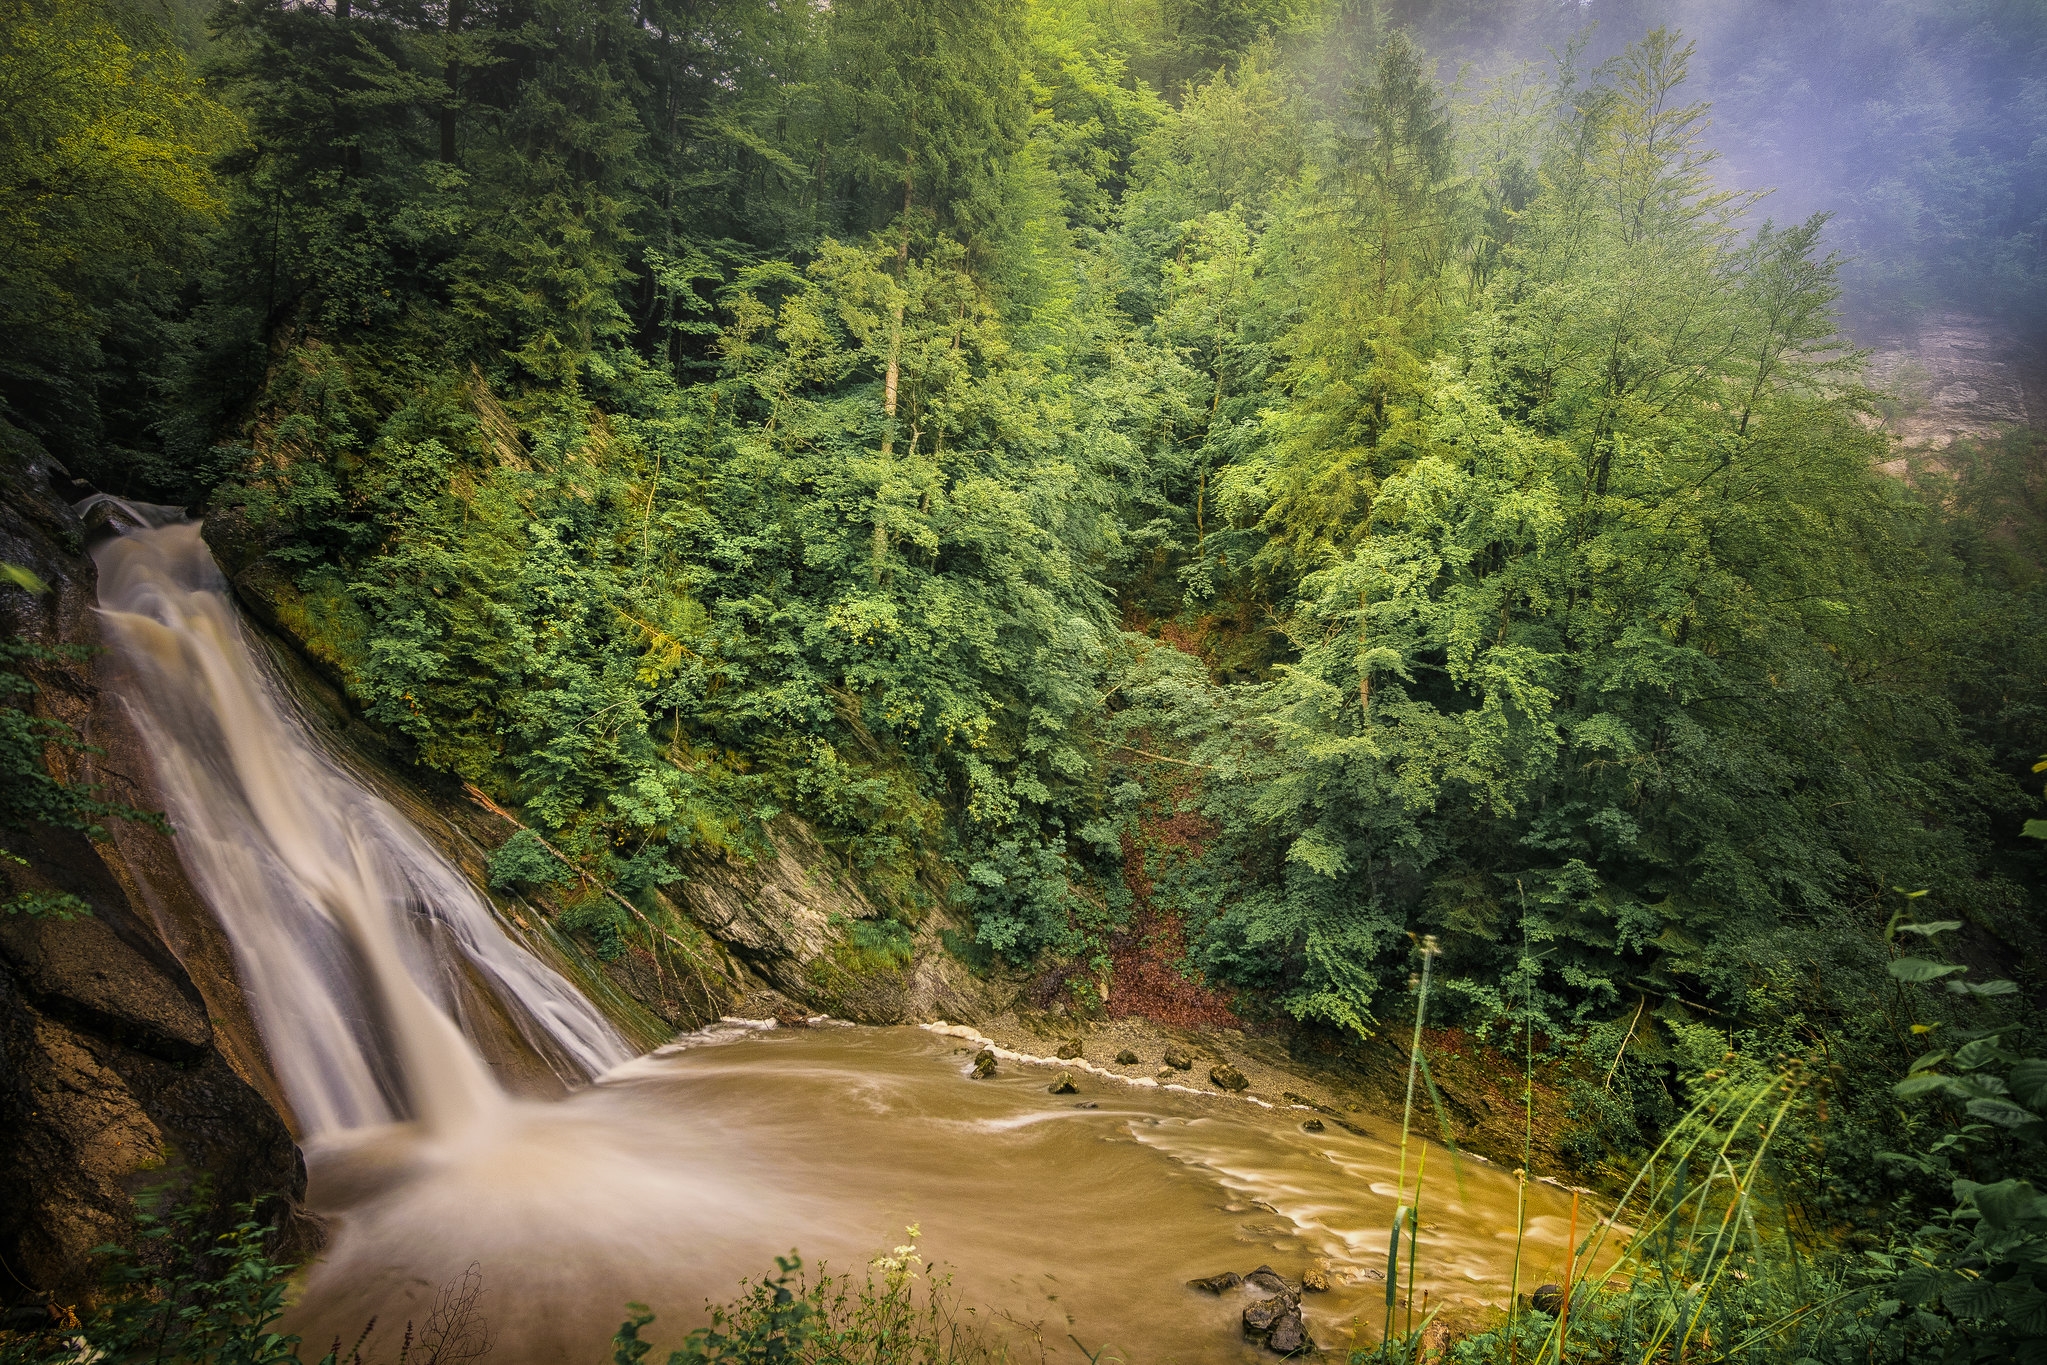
[
  {"x": 682, "y": 1172},
  {"x": 1066, "y": 1228}
]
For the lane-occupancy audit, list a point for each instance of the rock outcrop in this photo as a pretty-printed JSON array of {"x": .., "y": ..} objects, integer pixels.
[{"x": 127, "y": 1056}]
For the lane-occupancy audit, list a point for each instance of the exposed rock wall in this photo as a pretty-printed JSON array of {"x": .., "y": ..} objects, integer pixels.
[
  {"x": 127, "y": 1056},
  {"x": 1953, "y": 376}
]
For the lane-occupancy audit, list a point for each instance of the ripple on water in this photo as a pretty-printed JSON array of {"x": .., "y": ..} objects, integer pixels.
[{"x": 689, "y": 1168}]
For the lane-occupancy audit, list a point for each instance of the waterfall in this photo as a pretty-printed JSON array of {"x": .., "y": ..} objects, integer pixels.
[{"x": 328, "y": 895}]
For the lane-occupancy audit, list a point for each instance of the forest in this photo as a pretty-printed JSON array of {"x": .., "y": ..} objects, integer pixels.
[{"x": 1343, "y": 488}]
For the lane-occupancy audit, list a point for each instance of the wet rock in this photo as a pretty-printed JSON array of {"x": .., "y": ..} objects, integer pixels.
[
  {"x": 1068, "y": 1050},
  {"x": 984, "y": 1064},
  {"x": 1548, "y": 1298},
  {"x": 1227, "y": 1077},
  {"x": 1312, "y": 1126},
  {"x": 1289, "y": 1334},
  {"x": 1087, "y": 1104},
  {"x": 1269, "y": 1280},
  {"x": 127, "y": 1058},
  {"x": 791, "y": 1019},
  {"x": 1217, "y": 1284},
  {"x": 1315, "y": 1282},
  {"x": 1178, "y": 1060},
  {"x": 1276, "y": 1321},
  {"x": 1064, "y": 1085},
  {"x": 1126, "y": 1058}
]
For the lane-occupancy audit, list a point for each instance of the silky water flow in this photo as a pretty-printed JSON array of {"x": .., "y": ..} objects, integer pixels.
[{"x": 675, "y": 1174}]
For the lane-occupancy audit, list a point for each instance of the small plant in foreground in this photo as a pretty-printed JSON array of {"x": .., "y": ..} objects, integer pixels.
[{"x": 898, "y": 1314}]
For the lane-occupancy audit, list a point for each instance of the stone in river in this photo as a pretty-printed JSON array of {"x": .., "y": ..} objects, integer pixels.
[
  {"x": 1547, "y": 1299},
  {"x": 1217, "y": 1284},
  {"x": 1260, "y": 1317},
  {"x": 1227, "y": 1077},
  {"x": 1315, "y": 1282},
  {"x": 1288, "y": 1333},
  {"x": 1269, "y": 1280},
  {"x": 1126, "y": 1058},
  {"x": 1087, "y": 1104},
  {"x": 1312, "y": 1126},
  {"x": 1064, "y": 1085},
  {"x": 984, "y": 1064},
  {"x": 1068, "y": 1050},
  {"x": 1177, "y": 1059}
]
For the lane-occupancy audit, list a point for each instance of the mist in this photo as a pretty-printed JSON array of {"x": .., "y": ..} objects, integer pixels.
[{"x": 1920, "y": 126}]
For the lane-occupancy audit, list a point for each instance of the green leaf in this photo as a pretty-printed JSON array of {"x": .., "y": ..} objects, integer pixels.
[
  {"x": 1980, "y": 1052},
  {"x": 1930, "y": 1060},
  {"x": 1998, "y": 987},
  {"x": 23, "y": 578},
  {"x": 1930, "y": 928},
  {"x": 2025, "y": 1308},
  {"x": 2002, "y": 1112},
  {"x": 2035, "y": 829},
  {"x": 2028, "y": 1080},
  {"x": 1925, "y": 1083},
  {"x": 1919, "y": 969},
  {"x": 1972, "y": 1299},
  {"x": 1919, "y": 1283},
  {"x": 2007, "y": 1204}
]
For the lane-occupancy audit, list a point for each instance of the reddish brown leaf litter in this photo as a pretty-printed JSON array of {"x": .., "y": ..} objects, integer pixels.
[{"x": 1152, "y": 981}]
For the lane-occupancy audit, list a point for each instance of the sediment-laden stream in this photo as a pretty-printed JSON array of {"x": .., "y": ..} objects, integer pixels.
[
  {"x": 1065, "y": 1220},
  {"x": 680, "y": 1172}
]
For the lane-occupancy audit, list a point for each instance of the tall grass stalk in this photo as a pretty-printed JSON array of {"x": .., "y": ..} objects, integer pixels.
[
  {"x": 1414, "y": 1234},
  {"x": 1527, "y": 1141},
  {"x": 1414, "y": 1060},
  {"x": 1680, "y": 1260}
]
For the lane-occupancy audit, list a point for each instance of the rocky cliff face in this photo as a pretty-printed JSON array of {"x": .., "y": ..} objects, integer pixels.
[
  {"x": 1953, "y": 376},
  {"x": 127, "y": 1056}
]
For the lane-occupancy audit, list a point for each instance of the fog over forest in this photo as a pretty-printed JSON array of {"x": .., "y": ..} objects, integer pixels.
[{"x": 1364, "y": 577}]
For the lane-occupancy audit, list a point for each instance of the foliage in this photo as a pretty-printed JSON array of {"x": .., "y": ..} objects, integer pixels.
[
  {"x": 898, "y": 1312},
  {"x": 29, "y": 793},
  {"x": 106, "y": 144},
  {"x": 188, "y": 1294},
  {"x": 981, "y": 430}
]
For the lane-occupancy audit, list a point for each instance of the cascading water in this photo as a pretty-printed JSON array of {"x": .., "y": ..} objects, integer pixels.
[
  {"x": 355, "y": 942},
  {"x": 328, "y": 895}
]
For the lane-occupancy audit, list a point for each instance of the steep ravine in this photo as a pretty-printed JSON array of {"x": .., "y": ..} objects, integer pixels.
[{"x": 127, "y": 1055}]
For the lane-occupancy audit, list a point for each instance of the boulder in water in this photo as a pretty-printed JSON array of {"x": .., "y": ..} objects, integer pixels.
[
  {"x": 1068, "y": 1050},
  {"x": 1315, "y": 1282},
  {"x": 1227, "y": 1077},
  {"x": 1312, "y": 1126},
  {"x": 1126, "y": 1058},
  {"x": 1548, "y": 1298},
  {"x": 1260, "y": 1317},
  {"x": 1178, "y": 1060},
  {"x": 984, "y": 1064},
  {"x": 1217, "y": 1284},
  {"x": 1269, "y": 1280},
  {"x": 1289, "y": 1334},
  {"x": 1277, "y": 1322},
  {"x": 1064, "y": 1085}
]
